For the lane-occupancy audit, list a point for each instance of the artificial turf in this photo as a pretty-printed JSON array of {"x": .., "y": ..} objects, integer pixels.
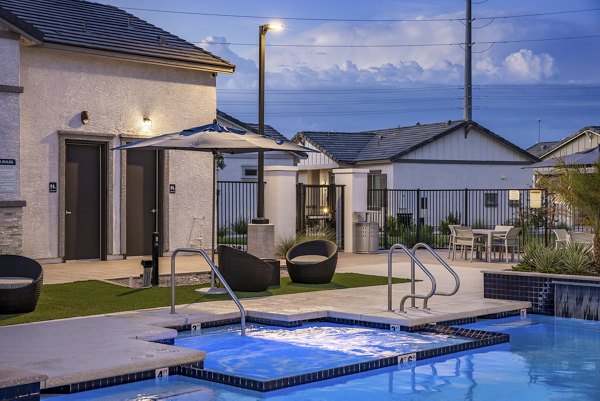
[{"x": 84, "y": 298}]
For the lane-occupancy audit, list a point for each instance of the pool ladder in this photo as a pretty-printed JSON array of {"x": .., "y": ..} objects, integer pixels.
[
  {"x": 415, "y": 261},
  {"x": 216, "y": 272}
]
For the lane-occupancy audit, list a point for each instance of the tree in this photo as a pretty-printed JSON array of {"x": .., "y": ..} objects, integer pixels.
[{"x": 579, "y": 188}]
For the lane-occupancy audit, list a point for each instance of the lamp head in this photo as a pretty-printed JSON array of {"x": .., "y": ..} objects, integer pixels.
[{"x": 273, "y": 26}]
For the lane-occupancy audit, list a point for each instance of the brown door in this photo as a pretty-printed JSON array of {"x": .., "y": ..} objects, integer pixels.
[
  {"x": 142, "y": 207},
  {"x": 85, "y": 177}
]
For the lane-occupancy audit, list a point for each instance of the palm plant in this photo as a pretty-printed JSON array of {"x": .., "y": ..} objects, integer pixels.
[{"x": 579, "y": 188}]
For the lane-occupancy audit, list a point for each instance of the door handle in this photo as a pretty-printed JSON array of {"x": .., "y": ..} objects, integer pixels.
[
  {"x": 153, "y": 211},
  {"x": 67, "y": 212}
]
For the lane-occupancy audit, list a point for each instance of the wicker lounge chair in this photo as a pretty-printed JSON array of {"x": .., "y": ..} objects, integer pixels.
[
  {"x": 21, "y": 281},
  {"x": 243, "y": 271},
  {"x": 312, "y": 262}
]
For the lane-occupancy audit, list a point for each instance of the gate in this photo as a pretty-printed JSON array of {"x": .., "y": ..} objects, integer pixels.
[
  {"x": 409, "y": 216},
  {"x": 236, "y": 207},
  {"x": 321, "y": 210}
]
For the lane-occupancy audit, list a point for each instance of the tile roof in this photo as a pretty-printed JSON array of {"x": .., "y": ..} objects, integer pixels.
[
  {"x": 541, "y": 148},
  {"x": 558, "y": 144},
  {"x": 388, "y": 144},
  {"x": 102, "y": 27},
  {"x": 269, "y": 131}
]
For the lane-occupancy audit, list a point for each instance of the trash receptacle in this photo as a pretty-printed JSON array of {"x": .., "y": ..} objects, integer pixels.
[
  {"x": 276, "y": 273},
  {"x": 366, "y": 237},
  {"x": 147, "y": 274}
]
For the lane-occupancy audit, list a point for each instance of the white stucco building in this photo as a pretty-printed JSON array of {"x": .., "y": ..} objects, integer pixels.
[{"x": 76, "y": 81}]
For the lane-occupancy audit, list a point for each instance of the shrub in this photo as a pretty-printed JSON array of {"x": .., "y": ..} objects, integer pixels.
[
  {"x": 222, "y": 231},
  {"x": 577, "y": 259},
  {"x": 285, "y": 243},
  {"x": 240, "y": 226},
  {"x": 451, "y": 219},
  {"x": 573, "y": 259},
  {"x": 549, "y": 260}
]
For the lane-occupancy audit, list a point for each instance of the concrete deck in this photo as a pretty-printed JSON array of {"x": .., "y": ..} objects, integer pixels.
[{"x": 75, "y": 350}]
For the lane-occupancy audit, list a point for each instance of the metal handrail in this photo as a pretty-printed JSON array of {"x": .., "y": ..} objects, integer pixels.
[
  {"x": 216, "y": 271},
  {"x": 412, "y": 295},
  {"x": 422, "y": 245}
]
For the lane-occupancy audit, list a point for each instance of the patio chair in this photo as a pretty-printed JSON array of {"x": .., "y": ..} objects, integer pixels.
[
  {"x": 508, "y": 241},
  {"x": 243, "y": 271},
  {"x": 501, "y": 228},
  {"x": 580, "y": 237},
  {"x": 562, "y": 237},
  {"x": 452, "y": 236},
  {"x": 312, "y": 262},
  {"x": 21, "y": 281},
  {"x": 465, "y": 238}
]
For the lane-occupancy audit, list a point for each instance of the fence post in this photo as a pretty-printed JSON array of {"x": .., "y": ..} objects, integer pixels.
[
  {"x": 466, "y": 208},
  {"x": 545, "y": 209},
  {"x": 385, "y": 218},
  {"x": 300, "y": 212},
  {"x": 418, "y": 230}
]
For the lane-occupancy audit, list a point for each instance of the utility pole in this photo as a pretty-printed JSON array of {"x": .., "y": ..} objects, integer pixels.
[
  {"x": 539, "y": 130},
  {"x": 468, "y": 112}
]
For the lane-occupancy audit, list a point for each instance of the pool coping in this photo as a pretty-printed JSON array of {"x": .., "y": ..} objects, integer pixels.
[{"x": 196, "y": 369}]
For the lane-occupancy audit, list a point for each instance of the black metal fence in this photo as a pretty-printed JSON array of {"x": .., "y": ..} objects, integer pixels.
[
  {"x": 236, "y": 207},
  {"x": 411, "y": 216},
  {"x": 320, "y": 210}
]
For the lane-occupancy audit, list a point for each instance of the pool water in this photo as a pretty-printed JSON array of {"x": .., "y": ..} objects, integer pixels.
[
  {"x": 268, "y": 352},
  {"x": 547, "y": 359}
]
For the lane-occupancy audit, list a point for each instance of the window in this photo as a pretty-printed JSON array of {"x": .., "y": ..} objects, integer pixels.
[
  {"x": 490, "y": 200},
  {"x": 249, "y": 173},
  {"x": 376, "y": 184}
]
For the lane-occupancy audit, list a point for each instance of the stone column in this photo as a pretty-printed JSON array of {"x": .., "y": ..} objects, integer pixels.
[
  {"x": 355, "y": 199},
  {"x": 280, "y": 199},
  {"x": 11, "y": 204}
]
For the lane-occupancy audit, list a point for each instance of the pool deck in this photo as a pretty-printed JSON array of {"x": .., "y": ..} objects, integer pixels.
[{"x": 82, "y": 349}]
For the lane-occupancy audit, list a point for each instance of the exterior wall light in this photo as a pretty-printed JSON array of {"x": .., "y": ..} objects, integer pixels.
[
  {"x": 85, "y": 117},
  {"x": 147, "y": 123}
]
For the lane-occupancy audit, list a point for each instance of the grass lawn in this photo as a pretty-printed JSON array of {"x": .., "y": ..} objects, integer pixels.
[{"x": 93, "y": 297}]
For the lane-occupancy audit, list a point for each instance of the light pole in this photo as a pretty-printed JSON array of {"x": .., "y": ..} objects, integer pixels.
[{"x": 260, "y": 206}]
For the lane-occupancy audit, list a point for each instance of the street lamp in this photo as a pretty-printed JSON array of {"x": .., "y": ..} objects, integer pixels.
[{"x": 260, "y": 206}]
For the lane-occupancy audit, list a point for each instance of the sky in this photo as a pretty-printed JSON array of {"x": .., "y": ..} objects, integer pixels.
[{"x": 347, "y": 65}]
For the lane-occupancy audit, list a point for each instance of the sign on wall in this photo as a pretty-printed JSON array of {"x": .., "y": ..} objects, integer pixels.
[
  {"x": 535, "y": 199},
  {"x": 514, "y": 195},
  {"x": 8, "y": 176}
]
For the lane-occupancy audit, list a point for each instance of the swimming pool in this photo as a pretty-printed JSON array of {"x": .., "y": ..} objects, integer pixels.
[{"x": 547, "y": 359}]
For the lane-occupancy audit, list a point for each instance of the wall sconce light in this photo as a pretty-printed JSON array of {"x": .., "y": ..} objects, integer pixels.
[
  {"x": 147, "y": 123},
  {"x": 85, "y": 117}
]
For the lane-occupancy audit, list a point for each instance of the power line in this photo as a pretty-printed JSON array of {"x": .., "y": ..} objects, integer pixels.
[
  {"x": 266, "y": 17},
  {"x": 301, "y": 45}
]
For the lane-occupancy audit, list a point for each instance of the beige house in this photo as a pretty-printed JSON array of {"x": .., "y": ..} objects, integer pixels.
[{"x": 77, "y": 79}]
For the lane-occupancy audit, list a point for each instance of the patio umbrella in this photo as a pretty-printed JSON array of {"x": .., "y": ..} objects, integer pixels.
[
  {"x": 216, "y": 139},
  {"x": 583, "y": 158}
]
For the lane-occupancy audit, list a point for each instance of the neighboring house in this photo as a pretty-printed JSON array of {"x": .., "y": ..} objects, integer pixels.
[
  {"x": 77, "y": 79},
  {"x": 447, "y": 155},
  {"x": 584, "y": 139},
  {"x": 541, "y": 148},
  {"x": 244, "y": 167}
]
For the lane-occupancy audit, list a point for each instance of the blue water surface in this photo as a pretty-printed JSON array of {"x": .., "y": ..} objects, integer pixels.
[
  {"x": 547, "y": 359},
  {"x": 268, "y": 352}
]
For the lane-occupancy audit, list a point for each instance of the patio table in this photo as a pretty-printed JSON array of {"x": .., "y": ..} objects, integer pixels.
[{"x": 488, "y": 242}]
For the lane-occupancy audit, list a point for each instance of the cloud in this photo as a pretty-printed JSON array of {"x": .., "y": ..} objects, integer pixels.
[{"x": 524, "y": 65}]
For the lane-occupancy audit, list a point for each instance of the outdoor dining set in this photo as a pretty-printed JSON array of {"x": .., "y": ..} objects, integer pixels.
[
  {"x": 502, "y": 239},
  {"x": 476, "y": 240}
]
